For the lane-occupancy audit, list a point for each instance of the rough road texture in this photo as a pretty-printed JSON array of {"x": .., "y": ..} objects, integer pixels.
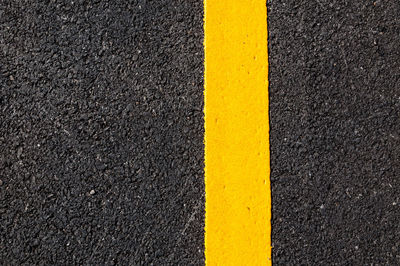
[
  {"x": 101, "y": 132},
  {"x": 335, "y": 131}
]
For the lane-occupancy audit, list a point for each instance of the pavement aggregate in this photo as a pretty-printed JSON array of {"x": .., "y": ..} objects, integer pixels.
[
  {"x": 334, "y": 70},
  {"x": 101, "y": 132}
]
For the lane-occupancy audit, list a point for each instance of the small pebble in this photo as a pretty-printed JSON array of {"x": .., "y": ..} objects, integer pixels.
[
  {"x": 19, "y": 152},
  {"x": 92, "y": 192},
  {"x": 1, "y": 182}
]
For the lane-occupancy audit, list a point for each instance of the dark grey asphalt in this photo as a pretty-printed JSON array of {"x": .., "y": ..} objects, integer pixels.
[
  {"x": 101, "y": 132},
  {"x": 335, "y": 131}
]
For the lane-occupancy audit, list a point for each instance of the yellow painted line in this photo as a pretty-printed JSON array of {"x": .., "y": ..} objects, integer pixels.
[{"x": 238, "y": 201}]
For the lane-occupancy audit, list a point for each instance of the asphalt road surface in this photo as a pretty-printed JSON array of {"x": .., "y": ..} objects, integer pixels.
[
  {"x": 335, "y": 131},
  {"x": 101, "y": 135},
  {"x": 101, "y": 132}
]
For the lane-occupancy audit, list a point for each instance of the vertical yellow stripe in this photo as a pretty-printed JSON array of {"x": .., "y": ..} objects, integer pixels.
[{"x": 238, "y": 202}]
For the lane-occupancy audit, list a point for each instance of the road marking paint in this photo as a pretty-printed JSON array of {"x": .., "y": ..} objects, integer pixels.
[{"x": 238, "y": 200}]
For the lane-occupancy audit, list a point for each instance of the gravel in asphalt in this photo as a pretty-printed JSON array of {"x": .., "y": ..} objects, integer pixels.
[
  {"x": 101, "y": 132},
  {"x": 335, "y": 131}
]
